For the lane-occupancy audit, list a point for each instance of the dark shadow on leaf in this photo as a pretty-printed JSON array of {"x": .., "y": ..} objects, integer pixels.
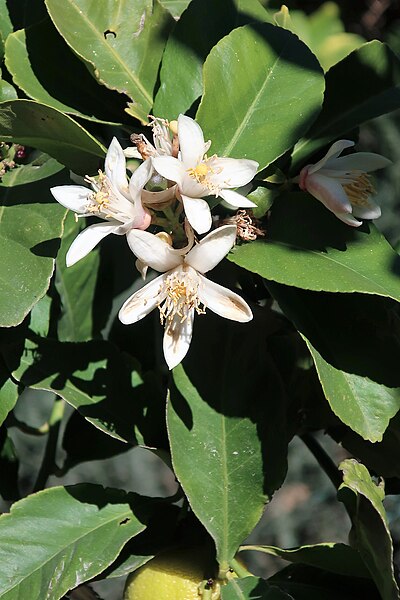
[{"x": 48, "y": 248}]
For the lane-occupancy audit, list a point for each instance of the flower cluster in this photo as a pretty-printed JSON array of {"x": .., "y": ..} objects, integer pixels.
[
  {"x": 179, "y": 164},
  {"x": 168, "y": 192}
]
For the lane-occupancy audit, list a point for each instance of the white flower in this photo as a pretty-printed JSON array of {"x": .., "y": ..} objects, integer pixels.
[
  {"x": 163, "y": 137},
  {"x": 342, "y": 184},
  {"x": 111, "y": 198},
  {"x": 198, "y": 176},
  {"x": 182, "y": 290}
]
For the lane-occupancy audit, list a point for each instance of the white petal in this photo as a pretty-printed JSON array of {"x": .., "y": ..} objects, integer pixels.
[
  {"x": 153, "y": 251},
  {"x": 88, "y": 239},
  {"x": 169, "y": 167},
  {"x": 191, "y": 141},
  {"x": 224, "y": 302},
  {"x": 328, "y": 191},
  {"x": 142, "y": 268},
  {"x": 198, "y": 213},
  {"x": 369, "y": 211},
  {"x": 115, "y": 166},
  {"x": 359, "y": 161},
  {"x": 333, "y": 152},
  {"x": 140, "y": 177},
  {"x": 74, "y": 197},
  {"x": 236, "y": 200},
  {"x": 212, "y": 249},
  {"x": 348, "y": 219},
  {"x": 142, "y": 302},
  {"x": 132, "y": 152},
  {"x": 233, "y": 172},
  {"x": 177, "y": 338}
]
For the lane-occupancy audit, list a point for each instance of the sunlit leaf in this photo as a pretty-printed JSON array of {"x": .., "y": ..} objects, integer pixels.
[
  {"x": 124, "y": 42},
  {"x": 181, "y": 78},
  {"x": 263, "y": 88},
  {"x": 83, "y": 526}
]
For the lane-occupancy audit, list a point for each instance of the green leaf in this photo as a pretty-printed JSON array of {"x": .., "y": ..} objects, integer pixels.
[
  {"x": 370, "y": 533},
  {"x": 333, "y": 557},
  {"x": 8, "y": 393},
  {"x": 94, "y": 377},
  {"x": 262, "y": 90},
  {"x": 381, "y": 457},
  {"x": 355, "y": 348},
  {"x": 322, "y": 254},
  {"x": 83, "y": 526},
  {"x": 71, "y": 89},
  {"x": 33, "y": 124},
  {"x": 6, "y": 25},
  {"x": 175, "y": 7},
  {"x": 362, "y": 404},
  {"x": 324, "y": 33},
  {"x": 7, "y": 91},
  {"x": 181, "y": 78},
  {"x": 252, "y": 588},
  {"x": 362, "y": 86},
  {"x": 76, "y": 286},
  {"x": 124, "y": 42},
  {"x": 30, "y": 227},
  {"x": 41, "y": 167},
  {"x": 217, "y": 420}
]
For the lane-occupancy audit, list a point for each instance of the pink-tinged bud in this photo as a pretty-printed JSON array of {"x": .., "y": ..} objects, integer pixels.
[
  {"x": 303, "y": 177},
  {"x": 21, "y": 152},
  {"x": 146, "y": 221}
]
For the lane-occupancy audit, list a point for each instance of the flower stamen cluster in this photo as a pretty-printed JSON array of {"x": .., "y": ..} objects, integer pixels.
[{"x": 181, "y": 297}]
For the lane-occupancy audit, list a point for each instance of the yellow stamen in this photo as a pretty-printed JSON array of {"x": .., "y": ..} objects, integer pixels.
[
  {"x": 182, "y": 297},
  {"x": 359, "y": 190},
  {"x": 100, "y": 198},
  {"x": 202, "y": 171}
]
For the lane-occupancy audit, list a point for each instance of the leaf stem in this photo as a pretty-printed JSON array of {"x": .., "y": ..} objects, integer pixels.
[
  {"x": 48, "y": 462},
  {"x": 239, "y": 569},
  {"x": 323, "y": 459}
]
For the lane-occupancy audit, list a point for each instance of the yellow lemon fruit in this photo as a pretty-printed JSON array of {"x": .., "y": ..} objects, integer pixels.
[{"x": 172, "y": 575}]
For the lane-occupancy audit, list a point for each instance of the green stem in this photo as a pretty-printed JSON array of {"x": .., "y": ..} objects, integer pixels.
[
  {"x": 48, "y": 462},
  {"x": 323, "y": 459},
  {"x": 239, "y": 569}
]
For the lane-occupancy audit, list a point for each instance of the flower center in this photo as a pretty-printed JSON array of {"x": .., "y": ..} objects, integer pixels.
[
  {"x": 99, "y": 199},
  {"x": 182, "y": 297},
  {"x": 202, "y": 172},
  {"x": 359, "y": 189}
]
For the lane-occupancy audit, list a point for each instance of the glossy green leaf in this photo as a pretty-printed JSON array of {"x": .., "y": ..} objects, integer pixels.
[
  {"x": 41, "y": 167},
  {"x": 124, "y": 42},
  {"x": 181, "y": 78},
  {"x": 8, "y": 393},
  {"x": 217, "y": 420},
  {"x": 71, "y": 89},
  {"x": 333, "y": 557},
  {"x": 175, "y": 7},
  {"x": 322, "y": 254},
  {"x": 362, "y": 86},
  {"x": 7, "y": 91},
  {"x": 362, "y": 404},
  {"x": 83, "y": 526},
  {"x": 252, "y": 588},
  {"x": 263, "y": 88},
  {"x": 33, "y": 124},
  {"x": 30, "y": 227},
  {"x": 76, "y": 286},
  {"x": 370, "y": 534},
  {"x": 94, "y": 377},
  {"x": 355, "y": 350}
]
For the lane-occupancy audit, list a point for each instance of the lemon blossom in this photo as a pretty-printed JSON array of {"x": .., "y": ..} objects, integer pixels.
[
  {"x": 182, "y": 290},
  {"x": 111, "y": 198},
  {"x": 197, "y": 175},
  {"x": 341, "y": 183}
]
